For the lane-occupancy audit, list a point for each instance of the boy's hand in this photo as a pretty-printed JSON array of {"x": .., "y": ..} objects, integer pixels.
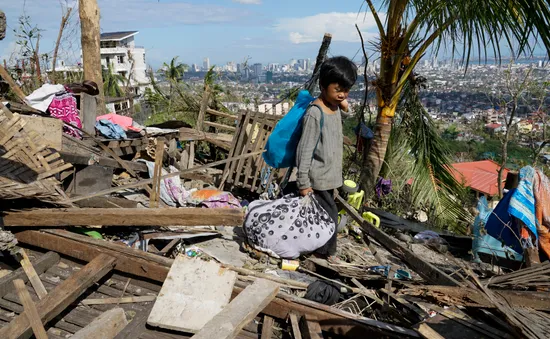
[
  {"x": 344, "y": 105},
  {"x": 305, "y": 191}
]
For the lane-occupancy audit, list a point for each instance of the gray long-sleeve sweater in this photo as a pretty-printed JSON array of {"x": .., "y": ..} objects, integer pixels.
[{"x": 324, "y": 171}]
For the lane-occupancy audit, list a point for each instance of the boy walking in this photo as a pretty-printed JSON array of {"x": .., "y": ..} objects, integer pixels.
[{"x": 320, "y": 150}]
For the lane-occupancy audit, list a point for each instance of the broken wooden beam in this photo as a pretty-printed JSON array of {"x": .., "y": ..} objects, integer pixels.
[
  {"x": 30, "y": 310},
  {"x": 50, "y": 217},
  {"x": 470, "y": 297},
  {"x": 154, "y": 267},
  {"x": 32, "y": 275},
  {"x": 426, "y": 270},
  {"x": 221, "y": 114},
  {"x": 106, "y": 326},
  {"x": 240, "y": 311},
  {"x": 61, "y": 297},
  {"x": 82, "y": 159},
  {"x": 84, "y": 248},
  {"x": 40, "y": 265},
  {"x": 173, "y": 174},
  {"x": 122, "y": 300}
]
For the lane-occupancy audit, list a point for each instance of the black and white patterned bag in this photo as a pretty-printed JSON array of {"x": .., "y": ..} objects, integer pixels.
[{"x": 288, "y": 227}]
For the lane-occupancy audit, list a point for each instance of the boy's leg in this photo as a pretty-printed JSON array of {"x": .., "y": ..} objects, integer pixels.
[{"x": 326, "y": 200}]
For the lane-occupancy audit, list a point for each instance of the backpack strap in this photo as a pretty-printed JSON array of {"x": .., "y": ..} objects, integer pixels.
[{"x": 322, "y": 122}]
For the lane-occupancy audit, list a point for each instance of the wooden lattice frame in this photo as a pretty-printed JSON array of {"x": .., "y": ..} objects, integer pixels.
[{"x": 27, "y": 166}]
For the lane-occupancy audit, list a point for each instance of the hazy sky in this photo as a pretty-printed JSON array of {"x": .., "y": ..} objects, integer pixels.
[{"x": 223, "y": 30}]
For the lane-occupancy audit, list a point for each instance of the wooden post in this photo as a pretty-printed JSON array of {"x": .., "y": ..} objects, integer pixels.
[
  {"x": 157, "y": 174},
  {"x": 310, "y": 86},
  {"x": 200, "y": 121},
  {"x": 88, "y": 112},
  {"x": 90, "y": 38}
]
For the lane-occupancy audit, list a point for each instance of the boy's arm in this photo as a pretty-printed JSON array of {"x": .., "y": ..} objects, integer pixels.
[{"x": 311, "y": 130}]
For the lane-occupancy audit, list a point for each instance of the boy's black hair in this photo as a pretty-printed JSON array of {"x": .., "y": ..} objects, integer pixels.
[{"x": 340, "y": 70}]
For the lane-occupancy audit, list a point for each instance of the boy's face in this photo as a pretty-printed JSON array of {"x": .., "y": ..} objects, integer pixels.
[{"x": 335, "y": 94}]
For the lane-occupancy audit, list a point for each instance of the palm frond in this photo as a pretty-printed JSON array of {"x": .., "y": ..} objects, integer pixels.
[{"x": 425, "y": 165}]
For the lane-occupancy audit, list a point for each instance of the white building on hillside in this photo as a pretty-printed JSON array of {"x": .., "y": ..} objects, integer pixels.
[{"x": 127, "y": 59}]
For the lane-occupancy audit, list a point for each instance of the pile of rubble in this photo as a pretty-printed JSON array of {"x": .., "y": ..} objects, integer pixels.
[{"x": 141, "y": 237}]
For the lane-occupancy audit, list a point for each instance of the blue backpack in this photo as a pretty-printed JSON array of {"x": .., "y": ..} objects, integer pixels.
[{"x": 281, "y": 144}]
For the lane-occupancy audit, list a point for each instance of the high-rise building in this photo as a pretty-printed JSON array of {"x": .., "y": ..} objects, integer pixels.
[
  {"x": 257, "y": 69},
  {"x": 206, "y": 64}
]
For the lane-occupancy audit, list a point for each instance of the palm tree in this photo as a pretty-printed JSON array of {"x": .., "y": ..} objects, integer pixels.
[
  {"x": 111, "y": 82},
  {"x": 174, "y": 73},
  {"x": 411, "y": 27}
]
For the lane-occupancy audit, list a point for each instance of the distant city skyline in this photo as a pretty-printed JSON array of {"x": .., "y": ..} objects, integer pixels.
[{"x": 259, "y": 31}]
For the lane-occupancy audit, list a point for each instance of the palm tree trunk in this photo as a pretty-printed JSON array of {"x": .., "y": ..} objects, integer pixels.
[
  {"x": 91, "y": 57},
  {"x": 373, "y": 159}
]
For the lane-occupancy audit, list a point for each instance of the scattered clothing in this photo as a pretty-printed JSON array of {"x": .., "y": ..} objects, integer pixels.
[
  {"x": 213, "y": 198},
  {"x": 122, "y": 121},
  {"x": 110, "y": 130},
  {"x": 63, "y": 107},
  {"x": 499, "y": 223},
  {"x": 172, "y": 191},
  {"x": 324, "y": 292},
  {"x": 41, "y": 98},
  {"x": 522, "y": 202},
  {"x": 288, "y": 227}
]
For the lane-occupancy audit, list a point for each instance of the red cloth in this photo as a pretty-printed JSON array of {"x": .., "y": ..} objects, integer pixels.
[{"x": 63, "y": 107}]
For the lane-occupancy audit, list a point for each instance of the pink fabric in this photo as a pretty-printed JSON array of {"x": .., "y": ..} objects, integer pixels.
[
  {"x": 122, "y": 121},
  {"x": 63, "y": 107}
]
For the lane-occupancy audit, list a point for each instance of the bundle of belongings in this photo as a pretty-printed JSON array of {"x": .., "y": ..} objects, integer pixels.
[
  {"x": 288, "y": 227},
  {"x": 60, "y": 103},
  {"x": 521, "y": 220}
]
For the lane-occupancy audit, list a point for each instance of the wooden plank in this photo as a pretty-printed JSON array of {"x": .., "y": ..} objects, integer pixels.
[
  {"x": 105, "y": 326},
  {"x": 203, "y": 107},
  {"x": 52, "y": 217},
  {"x": 60, "y": 298},
  {"x": 219, "y": 126},
  {"x": 80, "y": 247},
  {"x": 157, "y": 173},
  {"x": 32, "y": 275},
  {"x": 254, "y": 123},
  {"x": 155, "y": 268},
  {"x": 122, "y": 300},
  {"x": 40, "y": 266},
  {"x": 30, "y": 309},
  {"x": 169, "y": 247},
  {"x": 81, "y": 159},
  {"x": 295, "y": 325},
  {"x": 235, "y": 149},
  {"x": 136, "y": 327},
  {"x": 221, "y": 114},
  {"x": 426, "y": 270},
  {"x": 229, "y": 322},
  {"x": 189, "y": 309},
  {"x": 49, "y": 129},
  {"x": 427, "y": 332},
  {"x": 310, "y": 328},
  {"x": 173, "y": 174},
  {"x": 88, "y": 112},
  {"x": 267, "y": 327},
  {"x": 191, "y": 134}
]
